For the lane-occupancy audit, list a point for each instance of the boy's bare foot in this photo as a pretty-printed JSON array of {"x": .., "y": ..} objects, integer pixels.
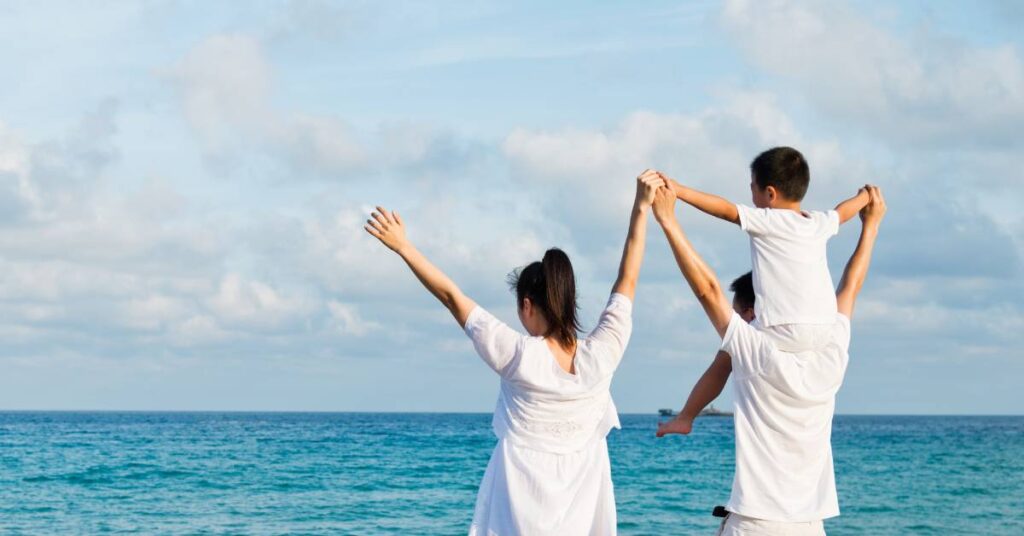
[{"x": 679, "y": 425}]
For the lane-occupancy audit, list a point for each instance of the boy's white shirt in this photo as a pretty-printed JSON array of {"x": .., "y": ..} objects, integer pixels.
[{"x": 792, "y": 283}]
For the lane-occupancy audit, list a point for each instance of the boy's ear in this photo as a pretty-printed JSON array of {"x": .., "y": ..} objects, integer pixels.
[{"x": 772, "y": 193}]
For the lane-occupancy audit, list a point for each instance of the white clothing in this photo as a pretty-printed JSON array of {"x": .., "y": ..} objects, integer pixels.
[
  {"x": 792, "y": 284},
  {"x": 784, "y": 403},
  {"x": 523, "y": 490},
  {"x": 737, "y": 525},
  {"x": 549, "y": 473},
  {"x": 797, "y": 337}
]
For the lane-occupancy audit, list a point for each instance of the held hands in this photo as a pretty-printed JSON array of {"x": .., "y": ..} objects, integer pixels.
[
  {"x": 388, "y": 228},
  {"x": 874, "y": 211},
  {"x": 665, "y": 204},
  {"x": 647, "y": 184}
]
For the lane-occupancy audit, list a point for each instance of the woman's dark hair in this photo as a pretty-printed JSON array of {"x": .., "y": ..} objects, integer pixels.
[
  {"x": 551, "y": 286},
  {"x": 785, "y": 169}
]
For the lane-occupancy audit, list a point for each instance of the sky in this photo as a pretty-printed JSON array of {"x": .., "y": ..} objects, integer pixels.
[{"x": 183, "y": 187}]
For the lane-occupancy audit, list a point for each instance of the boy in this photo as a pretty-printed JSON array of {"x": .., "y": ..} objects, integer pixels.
[{"x": 793, "y": 299}]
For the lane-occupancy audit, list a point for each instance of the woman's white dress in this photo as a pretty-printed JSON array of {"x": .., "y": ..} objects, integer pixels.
[{"x": 549, "y": 473}]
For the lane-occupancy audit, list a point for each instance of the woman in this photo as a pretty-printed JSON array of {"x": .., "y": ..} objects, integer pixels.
[{"x": 549, "y": 473}]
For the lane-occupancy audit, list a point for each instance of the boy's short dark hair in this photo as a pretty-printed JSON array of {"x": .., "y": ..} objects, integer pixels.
[
  {"x": 785, "y": 169},
  {"x": 743, "y": 290}
]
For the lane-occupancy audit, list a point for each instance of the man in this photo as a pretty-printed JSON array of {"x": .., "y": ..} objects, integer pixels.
[{"x": 784, "y": 402}]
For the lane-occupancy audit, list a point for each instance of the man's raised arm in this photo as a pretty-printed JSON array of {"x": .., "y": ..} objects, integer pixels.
[
  {"x": 701, "y": 278},
  {"x": 857, "y": 267}
]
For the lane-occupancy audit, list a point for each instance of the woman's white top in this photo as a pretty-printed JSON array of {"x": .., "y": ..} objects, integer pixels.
[{"x": 549, "y": 473}]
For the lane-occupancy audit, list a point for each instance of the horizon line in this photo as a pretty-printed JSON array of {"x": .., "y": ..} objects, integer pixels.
[{"x": 301, "y": 411}]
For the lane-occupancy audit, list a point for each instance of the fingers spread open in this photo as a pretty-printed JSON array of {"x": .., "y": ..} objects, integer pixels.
[
  {"x": 380, "y": 218},
  {"x": 376, "y": 225}
]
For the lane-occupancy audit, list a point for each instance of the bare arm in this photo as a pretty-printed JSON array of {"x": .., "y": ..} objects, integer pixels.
[
  {"x": 850, "y": 207},
  {"x": 708, "y": 387},
  {"x": 714, "y": 205},
  {"x": 701, "y": 278},
  {"x": 857, "y": 267},
  {"x": 390, "y": 230},
  {"x": 633, "y": 251}
]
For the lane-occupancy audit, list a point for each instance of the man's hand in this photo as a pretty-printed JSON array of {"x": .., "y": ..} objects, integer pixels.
[
  {"x": 857, "y": 267},
  {"x": 872, "y": 213},
  {"x": 665, "y": 206},
  {"x": 647, "y": 184},
  {"x": 388, "y": 228},
  {"x": 678, "y": 425},
  {"x": 672, "y": 184}
]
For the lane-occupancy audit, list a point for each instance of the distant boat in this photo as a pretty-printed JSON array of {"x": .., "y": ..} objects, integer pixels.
[{"x": 712, "y": 411}]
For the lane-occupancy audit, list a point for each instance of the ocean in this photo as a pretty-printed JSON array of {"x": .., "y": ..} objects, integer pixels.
[{"x": 378, "y": 473}]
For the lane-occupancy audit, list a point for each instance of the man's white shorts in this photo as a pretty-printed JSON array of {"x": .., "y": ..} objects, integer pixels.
[{"x": 737, "y": 525}]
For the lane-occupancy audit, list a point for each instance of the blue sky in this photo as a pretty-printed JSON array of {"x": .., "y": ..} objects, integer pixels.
[{"x": 182, "y": 187}]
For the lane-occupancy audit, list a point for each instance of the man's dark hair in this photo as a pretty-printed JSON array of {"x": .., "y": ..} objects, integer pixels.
[
  {"x": 785, "y": 169},
  {"x": 743, "y": 290}
]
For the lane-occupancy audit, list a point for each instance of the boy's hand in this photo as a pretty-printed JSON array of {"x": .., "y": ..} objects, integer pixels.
[
  {"x": 647, "y": 184},
  {"x": 388, "y": 228},
  {"x": 872, "y": 213},
  {"x": 678, "y": 425},
  {"x": 665, "y": 205}
]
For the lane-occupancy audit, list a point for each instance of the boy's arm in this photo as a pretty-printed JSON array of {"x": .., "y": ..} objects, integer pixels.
[
  {"x": 707, "y": 389},
  {"x": 714, "y": 205},
  {"x": 857, "y": 267},
  {"x": 697, "y": 273},
  {"x": 849, "y": 208}
]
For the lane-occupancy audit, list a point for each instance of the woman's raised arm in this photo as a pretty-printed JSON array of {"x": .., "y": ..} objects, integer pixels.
[
  {"x": 647, "y": 185},
  {"x": 390, "y": 230}
]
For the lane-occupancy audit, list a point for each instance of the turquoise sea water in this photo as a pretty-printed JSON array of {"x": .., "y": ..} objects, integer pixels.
[{"x": 358, "y": 473}]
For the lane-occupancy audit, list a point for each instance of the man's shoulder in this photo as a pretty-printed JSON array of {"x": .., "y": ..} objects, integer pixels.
[{"x": 747, "y": 345}]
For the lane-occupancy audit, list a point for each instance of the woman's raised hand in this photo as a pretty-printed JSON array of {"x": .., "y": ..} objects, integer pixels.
[
  {"x": 647, "y": 185},
  {"x": 388, "y": 228}
]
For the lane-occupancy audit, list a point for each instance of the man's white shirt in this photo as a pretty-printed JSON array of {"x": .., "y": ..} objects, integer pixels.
[{"x": 784, "y": 403}]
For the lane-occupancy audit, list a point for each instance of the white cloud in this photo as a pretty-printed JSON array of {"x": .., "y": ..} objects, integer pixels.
[
  {"x": 922, "y": 89},
  {"x": 226, "y": 87},
  {"x": 710, "y": 145},
  {"x": 347, "y": 321},
  {"x": 710, "y": 149},
  {"x": 252, "y": 303}
]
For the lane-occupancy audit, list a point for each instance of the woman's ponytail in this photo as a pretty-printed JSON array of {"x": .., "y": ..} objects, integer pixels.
[{"x": 551, "y": 286}]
